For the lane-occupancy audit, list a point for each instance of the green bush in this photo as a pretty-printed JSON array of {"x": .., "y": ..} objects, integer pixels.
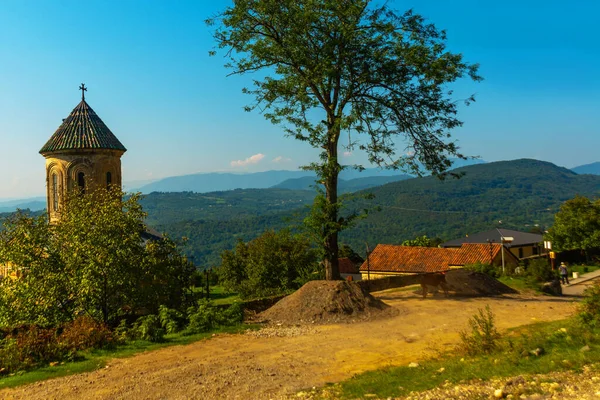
[
  {"x": 202, "y": 318},
  {"x": 232, "y": 315},
  {"x": 171, "y": 320},
  {"x": 483, "y": 336},
  {"x": 589, "y": 309},
  {"x": 539, "y": 270},
  {"x": 206, "y": 317},
  {"x": 148, "y": 328},
  {"x": 487, "y": 269}
]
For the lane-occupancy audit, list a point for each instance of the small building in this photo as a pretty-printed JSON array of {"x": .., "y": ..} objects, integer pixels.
[
  {"x": 523, "y": 244},
  {"x": 388, "y": 260},
  {"x": 349, "y": 268}
]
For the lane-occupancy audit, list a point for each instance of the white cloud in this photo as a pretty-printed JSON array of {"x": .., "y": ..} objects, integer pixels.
[
  {"x": 281, "y": 159},
  {"x": 347, "y": 153},
  {"x": 255, "y": 159}
]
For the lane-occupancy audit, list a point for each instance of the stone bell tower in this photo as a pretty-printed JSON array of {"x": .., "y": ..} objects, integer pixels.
[{"x": 82, "y": 154}]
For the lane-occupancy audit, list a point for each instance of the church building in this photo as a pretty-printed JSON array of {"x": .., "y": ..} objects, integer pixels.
[{"x": 82, "y": 154}]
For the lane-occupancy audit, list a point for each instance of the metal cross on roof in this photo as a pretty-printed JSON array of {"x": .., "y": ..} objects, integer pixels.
[{"x": 83, "y": 90}]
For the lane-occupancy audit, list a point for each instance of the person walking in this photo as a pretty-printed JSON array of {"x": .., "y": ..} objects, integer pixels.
[{"x": 564, "y": 274}]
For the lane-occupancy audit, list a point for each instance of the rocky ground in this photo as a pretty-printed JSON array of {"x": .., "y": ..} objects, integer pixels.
[
  {"x": 567, "y": 385},
  {"x": 557, "y": 385}
]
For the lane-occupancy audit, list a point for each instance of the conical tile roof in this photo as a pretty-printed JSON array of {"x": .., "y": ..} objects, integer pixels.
[{"x": 82, "y": 129}]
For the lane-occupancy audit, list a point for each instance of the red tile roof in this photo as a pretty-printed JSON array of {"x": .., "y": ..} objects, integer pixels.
[
  {"x": 347, "y": 266},
  {"x": 393, "y": 258},
  {"x": 471, "y": 253},
  {"x": 413, "y": 259}
]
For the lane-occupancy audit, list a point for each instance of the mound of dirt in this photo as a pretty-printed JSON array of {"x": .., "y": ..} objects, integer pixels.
[
  {"x": 468, "y": 283},
  {"x": 323, "y": 302}
]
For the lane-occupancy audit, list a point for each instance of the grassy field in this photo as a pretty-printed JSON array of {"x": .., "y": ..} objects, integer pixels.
[
  {"x": 218, "y": 295},
  {"x": 96, "y": 359},
  {"x": 561, "y": 343}
]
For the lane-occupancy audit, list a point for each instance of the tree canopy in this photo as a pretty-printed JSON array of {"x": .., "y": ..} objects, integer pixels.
[
  {"x": 94, "y": 261},
  {"x": 273, "y": 263},
  {"x": 576, "y": 225},
  {"x": 328, "y": 67}
]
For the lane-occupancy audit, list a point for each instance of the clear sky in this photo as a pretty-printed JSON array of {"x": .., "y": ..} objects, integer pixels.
[{"x": 152, "y": 82}]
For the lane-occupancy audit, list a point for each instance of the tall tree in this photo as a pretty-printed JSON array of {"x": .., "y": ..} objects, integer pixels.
[
  {"x": 94, "y": 261},
  {"x": 328, "y": 67},
  {"x": 576, "y": 226}
]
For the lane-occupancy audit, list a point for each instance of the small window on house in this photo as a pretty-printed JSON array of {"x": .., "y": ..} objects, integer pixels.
[
  {"x": 535, "y": 250},
  {"x": 520, "y": 252},
  {"x": 81, "y": 182},
  {"x": 54, "y": 192},
  {"x": 108, "y": 180}
]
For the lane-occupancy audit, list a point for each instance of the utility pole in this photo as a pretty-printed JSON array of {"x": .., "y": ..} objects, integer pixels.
[
  {"x": 207, "y": 275},
  {"x": 368, "y": 267}
]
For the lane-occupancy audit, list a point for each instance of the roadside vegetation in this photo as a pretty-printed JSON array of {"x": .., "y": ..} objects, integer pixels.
[
  {"x": 484, "y": 353},
  {"x": 95, "y": 282}
]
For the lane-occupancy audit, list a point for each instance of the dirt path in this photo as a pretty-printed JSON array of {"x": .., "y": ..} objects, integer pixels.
[{"x": 267, "y": 366}]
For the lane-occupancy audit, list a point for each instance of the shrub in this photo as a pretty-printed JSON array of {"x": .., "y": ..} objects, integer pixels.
[
  {"x": 148, "y": 328},
  {"x": 171, "y": 320},
  {"x": 540, "y": 271},
  {"x": 589, "y": 309},
  {"x": 28, "y": 348},
  {"x": 85, "y": 333},
  {"x": 202, "y": 318},
  {"x": 483, "y": 336},
  {"x": 487, "y": 269},
  {"x": 122, "y": 333},
  {"x": 232, "y": 315},
  {"x": 205, "y": 317}
]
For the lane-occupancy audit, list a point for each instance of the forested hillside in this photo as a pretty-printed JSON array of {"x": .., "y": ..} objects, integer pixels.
[
  {"x": 344, "y": 185},
  {"x": 520, "y": 193}
]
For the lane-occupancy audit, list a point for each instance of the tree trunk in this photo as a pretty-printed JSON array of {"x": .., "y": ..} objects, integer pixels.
[{"x": 332, "y": 170}]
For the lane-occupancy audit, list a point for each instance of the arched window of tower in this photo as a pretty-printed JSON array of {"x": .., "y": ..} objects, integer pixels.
[
  {"x": 54, "y": 192},
  {"x": 81, "y": 182},
  {"x": 108, "y": 180}
]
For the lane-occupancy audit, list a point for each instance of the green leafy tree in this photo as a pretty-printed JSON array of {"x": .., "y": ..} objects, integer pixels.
[
  {"x": 40, "y": 293},
  {"x": 348, "y": 252},
  {"x": 576, "y": 226},
  {"x": 94, "y": 261},
  {"x": 421, "y": 241},
  {"x": 327, "y": 67},
  {"x": 273, "y": 263}
]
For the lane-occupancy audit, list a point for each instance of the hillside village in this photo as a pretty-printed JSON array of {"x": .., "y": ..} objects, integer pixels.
[{"x": 443, "y": 276}]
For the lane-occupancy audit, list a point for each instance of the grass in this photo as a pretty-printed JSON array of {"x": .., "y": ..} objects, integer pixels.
[
  {"x": 521, "y": 283},
  {"x": 561, "y": 352},
  {"x": 581, "y": 269},
  {"x": 218, "y": 295},
  {"x": 96, "y": 359}
]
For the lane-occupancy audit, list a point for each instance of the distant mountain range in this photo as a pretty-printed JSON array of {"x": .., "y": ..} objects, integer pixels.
[
  {"x": 220, "y": 181},
  {"x": 344, "y": 186},
  {"x": 593, "y": 169},
  {"x": 33, "y": 204}
]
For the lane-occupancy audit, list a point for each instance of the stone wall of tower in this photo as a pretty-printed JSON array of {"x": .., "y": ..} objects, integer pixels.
[{"x": 99, "y": 168}]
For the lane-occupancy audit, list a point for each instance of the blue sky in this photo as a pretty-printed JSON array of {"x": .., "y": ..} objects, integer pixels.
[{"x": 151, "y": 80}]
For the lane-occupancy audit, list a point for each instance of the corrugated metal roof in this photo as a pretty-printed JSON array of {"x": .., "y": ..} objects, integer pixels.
[{"x": 82, "y": 129}]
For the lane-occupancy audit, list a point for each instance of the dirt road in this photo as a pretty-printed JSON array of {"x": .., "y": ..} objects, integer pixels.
[{"x": 271, "y": 366}]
